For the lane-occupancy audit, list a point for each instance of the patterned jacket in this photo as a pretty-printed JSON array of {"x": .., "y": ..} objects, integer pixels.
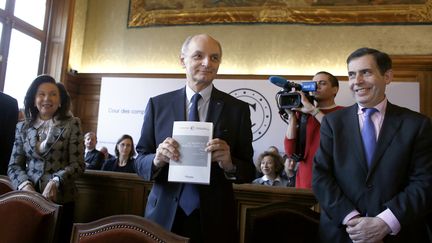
[{"x": 63, "y": 159}]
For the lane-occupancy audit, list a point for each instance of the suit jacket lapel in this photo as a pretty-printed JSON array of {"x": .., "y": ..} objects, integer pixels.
[
  {"x": 179, "y": 105},
  {"x": 215, "y": 106},
  {"x": 32, "y": 137},
  {"x": 388, "y": 129}
]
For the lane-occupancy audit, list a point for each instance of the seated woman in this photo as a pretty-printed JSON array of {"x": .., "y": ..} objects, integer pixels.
[
  {"x": 271, "y": 165},
  {"x": 124, "y": 161}
]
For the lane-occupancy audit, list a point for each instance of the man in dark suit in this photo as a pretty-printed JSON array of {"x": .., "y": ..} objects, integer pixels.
[
  {"x": 231, "y": 149},
  {"x": 381, "y": 192},
  {"x": 8, "y": 121},
  {"x": 92, "y": 157}
]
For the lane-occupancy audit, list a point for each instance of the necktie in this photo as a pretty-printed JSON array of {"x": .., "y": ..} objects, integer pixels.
[
  {"x": 368, "y": 134},
  {"x": 189, "y": 198}
]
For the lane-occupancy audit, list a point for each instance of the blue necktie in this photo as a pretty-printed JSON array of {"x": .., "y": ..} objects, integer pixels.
[
  {"x": 368, "y": 134},
  {"x": 189, "y": 198}
]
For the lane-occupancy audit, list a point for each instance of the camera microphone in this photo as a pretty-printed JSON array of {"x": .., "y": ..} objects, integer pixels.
[{"x": 279, "y": 81}]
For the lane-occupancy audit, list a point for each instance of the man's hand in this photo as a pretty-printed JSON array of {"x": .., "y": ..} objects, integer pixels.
[
  {"x": 307, "y": 107},
  {"x": 166, "y": 150},
  {"x": 220, "y": 153},
  {"x": 367, "y": 229}
]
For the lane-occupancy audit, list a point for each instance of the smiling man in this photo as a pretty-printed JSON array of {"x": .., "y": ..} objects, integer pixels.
[
  {"x": 212, "y": 216},
  {"x": 373, "y": 170}
]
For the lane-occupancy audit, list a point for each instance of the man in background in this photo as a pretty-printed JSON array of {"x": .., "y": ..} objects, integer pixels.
[
  {"x": 8, "y": 121},
  {"x": 104, "y": 151},
  {"x": 302, "y": 136},
  {"x": 213, "y": 217},
  {"x": 92, "y": 157},
  {"x": 373, "y": 170}
]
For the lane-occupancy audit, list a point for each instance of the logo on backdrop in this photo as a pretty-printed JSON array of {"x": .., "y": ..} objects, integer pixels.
[{"x": 261, "y": 114}]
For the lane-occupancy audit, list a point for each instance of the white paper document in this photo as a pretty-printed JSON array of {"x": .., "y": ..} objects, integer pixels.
[{"x": 194, "y": 163}]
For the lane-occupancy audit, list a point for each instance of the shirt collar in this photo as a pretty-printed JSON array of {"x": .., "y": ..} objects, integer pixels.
[
  {"x": 39, "y": 122},
  {"x": 205, "y": 93},
  {"x": 381, "y": 107},
  {"x": 89, "y": 150},
  {"x": 265, "y": 178}
]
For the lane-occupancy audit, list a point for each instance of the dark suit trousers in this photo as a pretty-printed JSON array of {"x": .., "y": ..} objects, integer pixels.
[{"x": 188, "y": 226}]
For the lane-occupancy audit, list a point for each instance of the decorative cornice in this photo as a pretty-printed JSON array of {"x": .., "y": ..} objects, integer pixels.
[{"x": 361, "y": 14}]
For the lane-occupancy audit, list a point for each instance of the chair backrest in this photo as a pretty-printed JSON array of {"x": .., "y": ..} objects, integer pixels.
[
  {"x": 28, "y": 217},
  {"x": 281, "y": 222},
  {"x": 123, "y": 228},
  {"x": 5, "y": 185}
]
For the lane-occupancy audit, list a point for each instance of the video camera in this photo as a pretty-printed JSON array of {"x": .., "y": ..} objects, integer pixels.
[{"x": 286, "y": 99}]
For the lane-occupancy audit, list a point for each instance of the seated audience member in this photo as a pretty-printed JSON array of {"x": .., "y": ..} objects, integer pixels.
[
  {"x": 271, "y": 165},
  {"x": 93, "y": 158},
  {"x": 124, "y": 161},
  {"x": 290, "y": 170},
  {"x": 104, "y": 151}
]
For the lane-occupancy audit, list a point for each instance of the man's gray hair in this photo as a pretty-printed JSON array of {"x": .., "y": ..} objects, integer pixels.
[{"x": 185, "y": 45}]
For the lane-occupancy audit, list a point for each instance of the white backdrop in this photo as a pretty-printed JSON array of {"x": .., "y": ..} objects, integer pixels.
[{"x": 123, "y": 102}]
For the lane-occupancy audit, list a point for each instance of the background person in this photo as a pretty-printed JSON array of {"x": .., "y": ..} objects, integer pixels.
[
  {"x": 106, "y": 154},
  {"x": 214, "y": 217},
  {"x": 124, "y": 160},
  {"x": 327, "y": 88},
  {"x": 270, "y": 164},
  {"x": 47, "y": 155},
  {"x": 373, "y": 170},
  {"x": 92, "y": 157},
  {"x": 290, "y": 170}
]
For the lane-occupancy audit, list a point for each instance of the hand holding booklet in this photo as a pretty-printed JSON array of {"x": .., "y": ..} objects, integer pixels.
[{"x": 194, "y": 163}]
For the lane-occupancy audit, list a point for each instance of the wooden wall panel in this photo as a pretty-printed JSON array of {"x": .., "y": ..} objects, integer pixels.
[
  {"x": 59, "y": 38},
  {"x": 103, "y": 193},
  {"x": 418, "y": 68}
]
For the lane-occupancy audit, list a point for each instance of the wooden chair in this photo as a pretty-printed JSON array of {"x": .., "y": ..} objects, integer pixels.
[
  {"x": 281, "y": 222},
  {"x": 5, "y": 185},
  {"x": 28, "y": 217},
  {"x": 123, "y": 228}
]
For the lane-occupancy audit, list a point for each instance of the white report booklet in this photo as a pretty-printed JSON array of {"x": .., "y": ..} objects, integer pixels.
[{"x": 194, "y": 163}]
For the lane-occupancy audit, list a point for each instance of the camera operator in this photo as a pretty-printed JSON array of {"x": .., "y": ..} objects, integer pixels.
[{"x": 303, "y": 133}]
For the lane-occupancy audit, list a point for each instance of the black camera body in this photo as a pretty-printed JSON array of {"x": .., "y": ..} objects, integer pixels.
[{"x": 286, "y": 99}]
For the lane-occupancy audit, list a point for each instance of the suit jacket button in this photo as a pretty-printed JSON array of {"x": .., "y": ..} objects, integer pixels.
[{"x": 369, "y": 186}]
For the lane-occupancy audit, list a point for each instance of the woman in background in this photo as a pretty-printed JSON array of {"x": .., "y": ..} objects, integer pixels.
[
  {"x": 271, "y": 165},
  {"x": 47, "y": 155},
  {"x": 124, "y": 161}
]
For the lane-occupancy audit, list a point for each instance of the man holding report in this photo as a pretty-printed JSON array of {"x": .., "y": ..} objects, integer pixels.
[{"x": 204, "y": 213}]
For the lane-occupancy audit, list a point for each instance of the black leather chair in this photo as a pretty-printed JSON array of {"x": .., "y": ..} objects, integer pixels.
[{"x": 281, "y": 222}]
